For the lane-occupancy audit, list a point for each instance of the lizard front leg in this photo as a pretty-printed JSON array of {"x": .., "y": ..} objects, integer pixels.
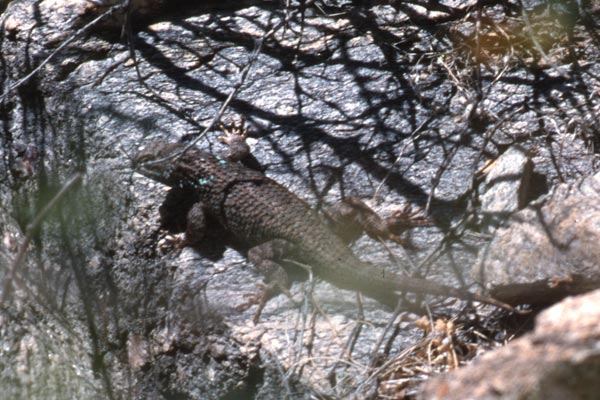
[
  {"x": 264, "y": 257},
  {"x": 181, "y": 212},
  {"x": 196, "y": 225},
  {"x": 234, "y": 136}
]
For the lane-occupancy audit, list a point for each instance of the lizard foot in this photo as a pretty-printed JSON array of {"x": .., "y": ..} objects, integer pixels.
[
  {"x": 233, "y": 130},
  {"x": 234, "y": 135},
  {"x": 255, "y": 298},
  {"x": 408, "y": 218},
  {"x": 260, "y": 298},
  {"x": 402, "y": 220}
]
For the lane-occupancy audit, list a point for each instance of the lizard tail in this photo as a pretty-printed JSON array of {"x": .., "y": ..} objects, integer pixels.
[{"x": 417, "y": 285}]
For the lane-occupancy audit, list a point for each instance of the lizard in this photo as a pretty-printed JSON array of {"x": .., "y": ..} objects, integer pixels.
[{"x": 277, "y": 224}]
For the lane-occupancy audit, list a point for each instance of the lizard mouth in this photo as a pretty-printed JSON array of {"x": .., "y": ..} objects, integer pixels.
[
  {"x": 148, "y": 172},
  {"x": 155, "y": 161}
]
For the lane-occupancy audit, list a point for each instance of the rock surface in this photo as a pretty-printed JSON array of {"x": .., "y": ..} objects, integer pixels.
[
  {"x": 548, "y": 250},
  {"x": 507, "y": 183},
  {"x": 560, "y": 359},
  {"x": 343, "y": 98}
]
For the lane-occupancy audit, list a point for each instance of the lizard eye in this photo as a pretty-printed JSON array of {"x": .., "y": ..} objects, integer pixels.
[
  {"x": 143, "y": 157},
  {"x": 155, "y": 152}
]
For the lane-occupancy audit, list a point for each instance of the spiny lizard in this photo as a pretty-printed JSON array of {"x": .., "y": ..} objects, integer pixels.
[{"x": 262, "y": 213}]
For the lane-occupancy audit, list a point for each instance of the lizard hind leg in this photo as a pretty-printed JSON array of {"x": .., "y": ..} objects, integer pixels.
[
  {"x": 351, "y": 217},
  {"x": 264, "y": 257}
]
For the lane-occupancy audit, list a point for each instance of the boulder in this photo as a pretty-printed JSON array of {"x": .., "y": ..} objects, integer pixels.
[{"x": 560, "y": 359}]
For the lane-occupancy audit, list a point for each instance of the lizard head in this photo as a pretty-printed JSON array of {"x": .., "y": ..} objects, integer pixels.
[{"x": 157, "y": 161}]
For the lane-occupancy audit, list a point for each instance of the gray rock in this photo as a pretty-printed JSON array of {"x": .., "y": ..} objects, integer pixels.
[
  {"x": 506, "y": 184},
  {"x": 548, "y": 250}
]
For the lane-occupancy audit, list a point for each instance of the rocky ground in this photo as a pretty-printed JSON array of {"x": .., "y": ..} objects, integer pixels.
[{"x": 480, "y": 120}]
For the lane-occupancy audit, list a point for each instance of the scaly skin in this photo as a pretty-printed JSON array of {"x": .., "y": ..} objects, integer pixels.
[{"x": 258, "y": 210}]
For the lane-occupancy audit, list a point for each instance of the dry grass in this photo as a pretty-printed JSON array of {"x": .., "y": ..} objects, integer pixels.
[{"x": 447, "y": 344}]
